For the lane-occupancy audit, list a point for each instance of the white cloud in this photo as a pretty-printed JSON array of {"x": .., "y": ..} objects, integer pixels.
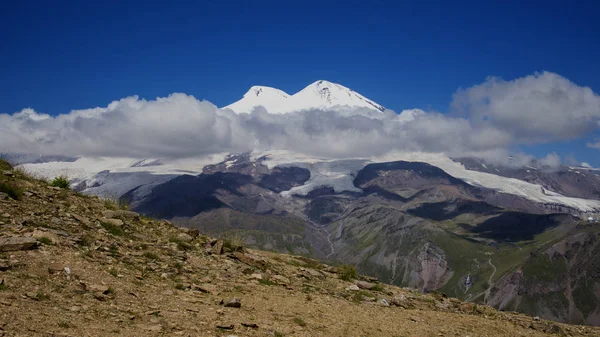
[
  {"x": 536, "y": 108},
  {"x": 552, "y": 160},
  {"x": 180, "y": 125},
  {"x": 594, "y": 145}
]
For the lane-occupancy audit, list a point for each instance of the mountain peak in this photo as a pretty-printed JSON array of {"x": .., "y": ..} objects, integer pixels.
[
  {"x": 321, "y": 94},
  {"x": 258, "y": 90}
]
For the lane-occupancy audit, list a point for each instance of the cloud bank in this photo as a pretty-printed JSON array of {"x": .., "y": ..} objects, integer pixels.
[{"x": 496, "y": 115}]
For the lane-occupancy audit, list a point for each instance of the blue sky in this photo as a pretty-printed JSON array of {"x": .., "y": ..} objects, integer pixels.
[{"x": 59, "y": 56}]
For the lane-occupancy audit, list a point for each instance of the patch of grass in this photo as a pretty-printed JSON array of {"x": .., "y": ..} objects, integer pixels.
[
  {"x": 45, "y": 240},
  {"x": 61, "y": 181},
  {"x": 347, "y": 272},
  {"x": 110, "y": 291},
  {"x": 64, "y": 324},
  {"x": 113, "y": 272},
  {"x": 378, "y": 287},
  {"x": 179, "y": 286},
  {"x": 86, "y": 240},
  {"x": 360, "y": 296},
  {"x": 42, "y": 296},
  {"x": 112, "y": 229},
  {"x": 266, "y": 282},
  {"x": 5, "y": 166},
  {"x": 277, "y": 334},
  {"x": 11, "y": 189},
  {"x": 150, "y": 255},
  {"x": 300, "y": 321},
  {"x": 179, "y": 266},
  {"x": 3, "y": 285},
  {"x": 181, "y": 245}
]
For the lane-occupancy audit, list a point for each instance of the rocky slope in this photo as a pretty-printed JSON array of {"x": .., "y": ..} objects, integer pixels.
[{"x": 72, "y": 265}]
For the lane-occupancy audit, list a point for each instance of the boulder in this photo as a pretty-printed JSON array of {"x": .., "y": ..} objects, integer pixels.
[
  {"x": 365, "y": 285},
  {"x": 251, "y": 260},
  {"x": 113, "y": 222},
  {"x": 185, "y": 237},
  {"x": 16, "y": 243},
  {"x": 234, "y": 303},
  {"x": 280, "y": 279},
  {"x": 218, "y": 248}
]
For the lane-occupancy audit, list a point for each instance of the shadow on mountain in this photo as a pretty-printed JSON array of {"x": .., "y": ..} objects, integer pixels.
[
  {"x": 284, "y": 178},
  {"x": 383, "y": 193},
  {"x": 424, "y": 170},
  {"x": 515, "y": 226},
  {"x": 187, "y": 196},
  {"x": 439, "y": 211}
]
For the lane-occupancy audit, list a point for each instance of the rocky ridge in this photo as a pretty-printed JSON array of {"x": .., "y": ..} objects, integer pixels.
[{"x": 74, "y": 265}]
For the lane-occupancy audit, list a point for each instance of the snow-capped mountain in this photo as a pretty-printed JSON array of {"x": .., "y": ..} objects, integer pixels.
[{"x": 318, "y": 95}]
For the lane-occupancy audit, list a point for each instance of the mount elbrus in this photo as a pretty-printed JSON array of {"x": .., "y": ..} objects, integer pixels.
[{"x": 517, "y": 238}]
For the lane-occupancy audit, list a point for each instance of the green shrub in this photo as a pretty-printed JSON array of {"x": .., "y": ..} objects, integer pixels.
[
  {"x": 150, "y": 255},
  {"x": 347, "y": 272},
  {"x": 113, "y": 229},
  {"x": 266, "y": 282},
  {"x": 11, "y": 189},
  {"x": 61, "y": 181},
  {"x": 300, "y": 321},
  {"x": 45, "y": 240},
  {"x": 5, "y": 166}
]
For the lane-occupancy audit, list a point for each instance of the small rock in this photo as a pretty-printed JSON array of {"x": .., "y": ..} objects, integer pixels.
[
  {"x": 383, "y": 301},
  {"x": 365, "y": 285},
  {"x": 218, "y": 248},
  {"x": 234, "y": 303},
  {"x": 3, "y": 196},
  {"x": 17, "y": 243},
  {"x": 205, "y": 288},
  {"x": 121, "y": 214},
  {"x": 8, "y": 173},
  {"x": 27, "y": 194},
  {"x": 251, "y": 260},
  {"x": 98, "y": 288},
  {"x": 250, "y": 325},
  {"x": 185, "y": 237},
  {"x": 467, "y": 307},
  {"x": 353, "y": 287},
  {"x": 75, "y": 308},
  {"x": 536, "y": 318},
  {"x": 400, "y": 301},
  {"x": 225, "y": 327},
  {"x": 280, "y": 279},
  {"x": 256, "y": 277},
  {"x": 82, "y": 219},
  {"x": 155, "y": 328},
  {"x": 113, "y": 222},
  {"x": 55, "y": 268}
]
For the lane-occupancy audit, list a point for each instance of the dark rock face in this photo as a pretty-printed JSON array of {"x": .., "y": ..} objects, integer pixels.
[
  {"x": 324, "y": 210},
  {"x": 284, "y": 178},
  {"x": 190, "y": 195},
  {"x": 408, "y": 174}
]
